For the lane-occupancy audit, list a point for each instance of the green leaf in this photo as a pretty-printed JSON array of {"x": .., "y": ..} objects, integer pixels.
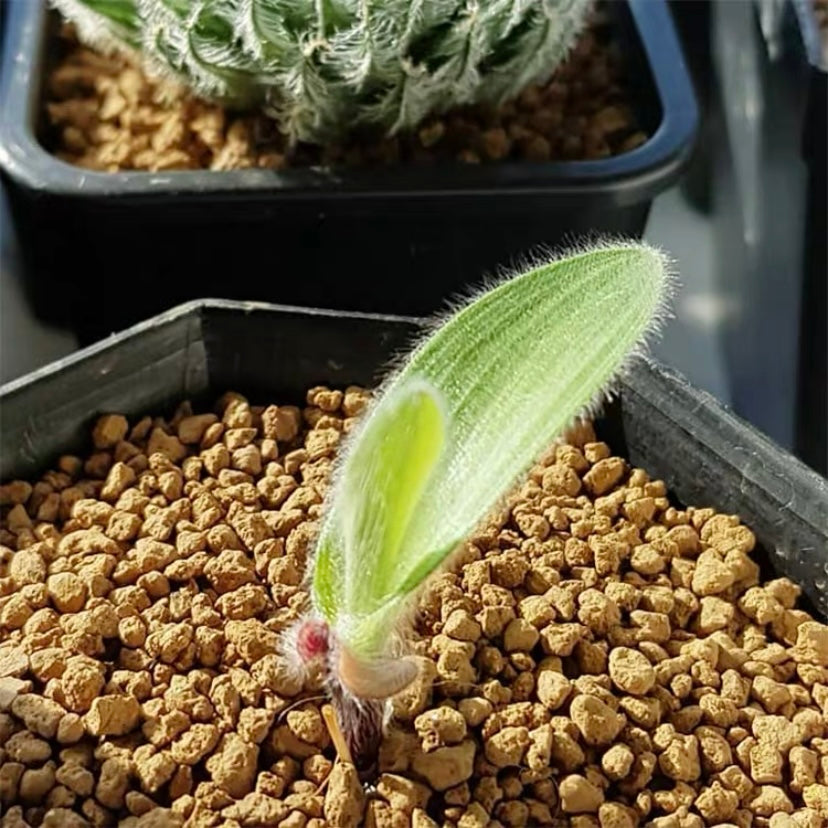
[
  {"x": 470, "y": 410},
  {"x": 381, "y": 486}
]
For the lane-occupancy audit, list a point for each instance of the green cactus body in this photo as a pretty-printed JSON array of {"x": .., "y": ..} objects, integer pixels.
[{"x": 324, "y": 67}]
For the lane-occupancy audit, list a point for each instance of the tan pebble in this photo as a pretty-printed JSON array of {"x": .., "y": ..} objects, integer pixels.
[
  {"x": 647, "y": 560},
  {"x": 35, "y": 783},
  {"x": 81, "y": 683},
  {"x": 324, "y": 398},
  {"x": 560, "y": 639},
  {"x": 769, "y": 800},
  {"x": 614, "y": 815},
  {"x": 15, "y": 493},
  {"x": 579, "y": 795},
  {"x": 256, "y": 809},
  {"x": 57, "y": 817},
  {"x": 254, "y": 724},
  {"x": 281, "y": 422},
  {"x": 77, "y": 778},
  {"x": 10, "y": 689},
  {"x": 447, "y": 766},
  {"x": 773, "y": 695},
  {"x": 355, "y": 400},
  {"x": 27, "y": 567},
  {"x": 415, "y": 698},
  {"x": 26, "y": 748},
  {"x": 715, "y": 614},
  {"x": 617, "y": 761},
  {"x": 67, "y": 592},
  {"x": 113, "y": 715},
  {"x": 553, "y": 688},
  {"x": 191, "y": 429},
  {"x": 112, "y": 783},
  {"x": 344, "y": 797},
  {"x": 811, "y": 644},
  {"x": 233, "y": 765},
  {"x": 777, "y": 732},
  {"x": 155, "y": 770},
  {"x": 461, "y": 626},
  {"x": 804, "y": 764},
  {"x": 474, "y": 710},
  {"x": 680, "y": 759},
  {"x": 519, "y": 635},
  {"x": 403, "y": 794},
  {"x": 474, "y": 816},
  {"x": 631, "y": 671},
  {"x": 109, "y": 430},
  {"x": 711, "y": 575},
  {"x": 782, "y": 821},
  {"x": 307, "y": 725},
  {"x": 507, "y": 747},
  {"x": 16, "y": 611},
  {"x": 539, "y": 753},
  {"x": 598, "y": 723},
  {"x": 139, "y": 804},
  {"x": 604, "y": 475},
  {"x": 40, "y": 715},
  {"x": 785, "y": 591},
  {"x": 765, "y": 764},
  {"x": 166, "y": 444},
  {"x": 537, "y": 610},
  {"x": 196, "y": 743},
  {"x": 440, "y": 726},
  {"x": 118, "y": 479}
]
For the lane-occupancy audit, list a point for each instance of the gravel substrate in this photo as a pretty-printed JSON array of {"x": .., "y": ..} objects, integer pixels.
[
  {"x": 103, "y": 113},
  {"x": 596, "y": 657}
]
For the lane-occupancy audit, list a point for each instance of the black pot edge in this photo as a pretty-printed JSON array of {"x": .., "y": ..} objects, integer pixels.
[
  {"x": 639, "y": 174},
  {"x": 670, "y": 393},
  {"x": 704, "y": 453}
]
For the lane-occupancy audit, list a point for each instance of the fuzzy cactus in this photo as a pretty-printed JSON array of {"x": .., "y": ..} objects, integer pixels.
[{"x": 325, "y": 67}]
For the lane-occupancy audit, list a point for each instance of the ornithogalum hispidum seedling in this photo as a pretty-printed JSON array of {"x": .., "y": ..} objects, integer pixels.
[
  {"x": 324, "y": 66},
  {"x": 473, "y": 405}
]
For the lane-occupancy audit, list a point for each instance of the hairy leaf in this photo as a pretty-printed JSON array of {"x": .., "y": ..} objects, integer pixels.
[{"x": 473, "y": 406}]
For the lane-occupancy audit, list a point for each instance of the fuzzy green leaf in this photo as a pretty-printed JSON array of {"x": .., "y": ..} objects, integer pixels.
[
  {"x": 509, "y": 372},
  {"x": 386, "y": 476}
]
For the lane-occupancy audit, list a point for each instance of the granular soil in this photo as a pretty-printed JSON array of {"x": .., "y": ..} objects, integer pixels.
[
  {"x": 103, "y": 113},
  {"x": 595, "y": 657}
]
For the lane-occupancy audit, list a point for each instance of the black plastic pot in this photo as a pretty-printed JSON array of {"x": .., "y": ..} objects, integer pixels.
[
  {"x": 105, "y": 250},
  {"x": 770, "y": 223},
  {"x": 706, "y": 455},
  {"x": 812, "y": 422}
]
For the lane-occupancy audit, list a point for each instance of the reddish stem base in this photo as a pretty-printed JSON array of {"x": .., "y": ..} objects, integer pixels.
[{"x": 361, "y": 725}]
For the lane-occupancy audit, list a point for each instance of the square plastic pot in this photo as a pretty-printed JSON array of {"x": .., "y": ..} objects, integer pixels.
[
  {"x": 104, "y": 250},
  {"x": 706, "y": 455}
]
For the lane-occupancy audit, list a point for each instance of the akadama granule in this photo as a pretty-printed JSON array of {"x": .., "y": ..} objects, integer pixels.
[{"x": 596, "y": 657}]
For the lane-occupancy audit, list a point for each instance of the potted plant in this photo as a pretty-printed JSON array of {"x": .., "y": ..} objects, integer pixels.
[
  {"x": 443, "y": 223},
  {"x": 590, "y": 654}
]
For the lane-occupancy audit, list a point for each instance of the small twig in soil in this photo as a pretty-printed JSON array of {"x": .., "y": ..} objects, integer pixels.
[{"x": 341, "y": 746}]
